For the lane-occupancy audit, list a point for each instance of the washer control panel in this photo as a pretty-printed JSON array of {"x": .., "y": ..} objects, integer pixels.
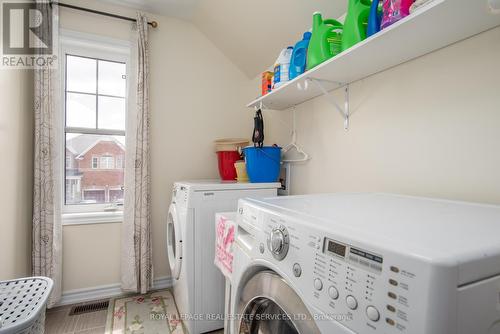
[{"x": 352, "y": 284}]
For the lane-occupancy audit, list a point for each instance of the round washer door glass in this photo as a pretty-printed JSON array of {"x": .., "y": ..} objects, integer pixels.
[
  {"x": 268, "y": 305},
  {"x": 174, "y": 242}
]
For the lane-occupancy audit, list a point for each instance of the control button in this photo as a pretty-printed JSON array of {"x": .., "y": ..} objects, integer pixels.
[
  {"x": 372, "y": 313},
  {"x": 352, "y": 303},
  {"x": 395, "y": 269},
  {"x": 333, "y": 292},
  {"x": 297, "y": 270},
  {"x": 390, "y": 321},
  {"x": 261, "y": 248},
  {"x": 318, "y": 284},
  {"x": 277, "y": 241},
  {"x": 392, "y": 295},
  {"x": 391, "y": 308},
  {"x": 393, "y": 282}
]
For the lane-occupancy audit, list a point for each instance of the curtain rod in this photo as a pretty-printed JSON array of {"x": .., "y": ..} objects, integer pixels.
[{"x": 153, "y": 24}]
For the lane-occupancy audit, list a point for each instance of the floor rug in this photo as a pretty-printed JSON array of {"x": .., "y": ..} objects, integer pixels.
[{"x": 153, "y": 313}]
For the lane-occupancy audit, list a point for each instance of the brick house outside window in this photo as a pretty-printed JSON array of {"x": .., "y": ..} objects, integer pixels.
[{"x": 95, "y": 175}]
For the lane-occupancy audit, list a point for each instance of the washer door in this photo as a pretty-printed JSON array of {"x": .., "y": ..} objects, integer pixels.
[
  {"x": 174, "y": 242},
  {"x": 268, "y": 305}
]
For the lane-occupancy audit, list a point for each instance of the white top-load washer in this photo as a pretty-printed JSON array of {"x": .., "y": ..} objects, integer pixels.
[
  {"x": 198, "y": 286},
  {"x": 366, "y": 263}
]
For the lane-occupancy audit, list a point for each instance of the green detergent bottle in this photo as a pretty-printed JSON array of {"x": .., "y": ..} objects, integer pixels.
[
  {"x": 356, "y": 22},
  {"x": 325, "y": 40}
]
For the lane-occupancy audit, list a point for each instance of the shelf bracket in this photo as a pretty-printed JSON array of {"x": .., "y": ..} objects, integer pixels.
[
  {"x": 344, "y": 112},
  {"x": 260, "y": 106}
]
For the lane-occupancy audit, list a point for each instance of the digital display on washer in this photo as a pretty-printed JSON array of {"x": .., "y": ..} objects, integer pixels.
[{"x": 335, "y": 247}]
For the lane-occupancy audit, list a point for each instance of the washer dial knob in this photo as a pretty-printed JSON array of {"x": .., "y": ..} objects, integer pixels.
[{"x": 278, "y": 242}]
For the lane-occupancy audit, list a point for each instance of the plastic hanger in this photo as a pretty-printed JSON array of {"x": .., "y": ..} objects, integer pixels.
[{"x": 293, "y": 145}]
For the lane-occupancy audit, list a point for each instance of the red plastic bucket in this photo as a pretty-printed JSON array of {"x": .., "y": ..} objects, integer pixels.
[{"x": 227, "y": 159}]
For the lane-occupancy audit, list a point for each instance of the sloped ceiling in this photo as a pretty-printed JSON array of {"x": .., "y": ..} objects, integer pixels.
[
  {"x": 251, "y": 33},
  {"x": 183, "y": 9}
]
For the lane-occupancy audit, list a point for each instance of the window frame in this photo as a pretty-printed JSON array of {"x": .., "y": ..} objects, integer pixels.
[
  {"x": 101, "y": 48},
  {"x": 119, "y": 158},
  {"x": 67, "y": 162},
  {"x": 96, "y": 158},
  {"x": 94, "y": 55},
  {"x": 110, "y": 161}
]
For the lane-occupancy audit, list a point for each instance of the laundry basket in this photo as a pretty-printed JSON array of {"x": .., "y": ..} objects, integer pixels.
[{"x": 22, "y": 305}]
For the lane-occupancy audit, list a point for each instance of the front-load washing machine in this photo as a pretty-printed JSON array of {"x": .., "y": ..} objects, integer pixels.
[
  {"x": 366, "y": 263},
  {"x": 198, "y": 286}
]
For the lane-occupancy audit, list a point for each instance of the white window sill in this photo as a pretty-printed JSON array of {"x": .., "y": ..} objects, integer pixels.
[{"x": 86, "y": 218}]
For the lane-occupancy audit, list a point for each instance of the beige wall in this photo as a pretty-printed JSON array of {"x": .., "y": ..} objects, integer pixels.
[
  {"x": 197, "y": 95},
  {"x": 91, "y": 255},
  {"x": 429, "y": 127},
  {"x": 16, "y": 176}
]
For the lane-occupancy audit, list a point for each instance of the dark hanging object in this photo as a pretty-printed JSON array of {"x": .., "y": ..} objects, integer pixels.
[{"x": 258, "y": 129}]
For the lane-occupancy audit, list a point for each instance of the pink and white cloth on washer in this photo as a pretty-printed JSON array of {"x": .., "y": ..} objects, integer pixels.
[{"x": 225, "y": 229}]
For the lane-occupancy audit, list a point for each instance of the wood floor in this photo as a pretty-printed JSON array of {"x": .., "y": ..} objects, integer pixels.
[{"x": 58, "y": 321}]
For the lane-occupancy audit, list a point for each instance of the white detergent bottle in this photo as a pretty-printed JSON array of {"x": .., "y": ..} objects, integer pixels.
[{"x": 282, "y": 67}]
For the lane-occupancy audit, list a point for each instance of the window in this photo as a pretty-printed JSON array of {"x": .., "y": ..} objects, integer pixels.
[
  {"x": 107, "y": 162},
  {"x": 68, "y": 160},
  {"x": 94, "y": 93},
  {"x": 119, "y": 162},
  {"x": 94, "y": 196},
  {"x": 95, "y": 163}
]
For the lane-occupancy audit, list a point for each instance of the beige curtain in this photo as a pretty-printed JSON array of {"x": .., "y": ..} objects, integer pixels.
[
  {"x": 137, "y": 257},
  {"x": 47, "y": 237}
]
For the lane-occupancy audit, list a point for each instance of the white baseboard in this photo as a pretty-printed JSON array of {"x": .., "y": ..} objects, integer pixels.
[
  {"x": 105, "y": 292},
  {"x": 162, "y": 283}
]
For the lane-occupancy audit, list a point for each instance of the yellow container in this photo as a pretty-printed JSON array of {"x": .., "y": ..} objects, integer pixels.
[{"x": 241, "y": 171}]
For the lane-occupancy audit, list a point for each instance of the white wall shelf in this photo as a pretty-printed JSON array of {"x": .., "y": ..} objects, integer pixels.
[{"x": 434, "y": 26}]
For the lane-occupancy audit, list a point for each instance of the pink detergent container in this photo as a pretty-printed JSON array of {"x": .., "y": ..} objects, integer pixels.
[{"x": 394, "y": 10}]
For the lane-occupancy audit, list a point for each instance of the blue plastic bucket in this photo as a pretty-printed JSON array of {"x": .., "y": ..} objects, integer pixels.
[{"x": 263, "y": 163}]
